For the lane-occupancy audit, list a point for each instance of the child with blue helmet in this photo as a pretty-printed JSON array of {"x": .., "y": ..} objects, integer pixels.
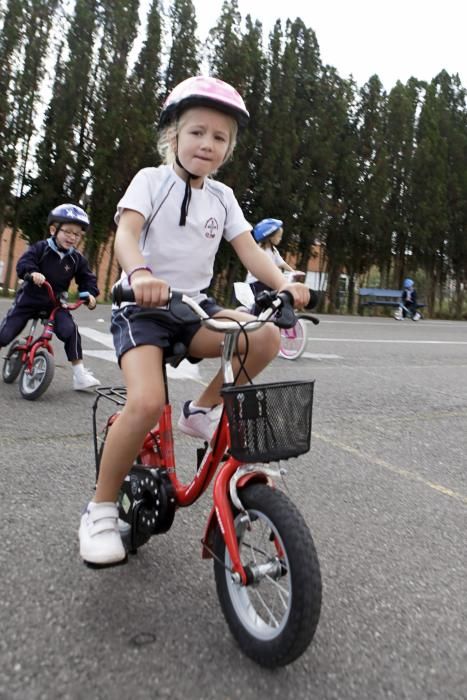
[
  {"x": 268, "y": 234},
  {"x": 56, "y": 260},
  {"x": 409, "y": 297}
]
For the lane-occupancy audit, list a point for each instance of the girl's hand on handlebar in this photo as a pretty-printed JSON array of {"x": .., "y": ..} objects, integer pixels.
[
  {"x": 148, "y": 290},
  {"x": 91, "y": 302},
  {"x": 38, "y": 278},
  {"x": 300, "y": 293}
]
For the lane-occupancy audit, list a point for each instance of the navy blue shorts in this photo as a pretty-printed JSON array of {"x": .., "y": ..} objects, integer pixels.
[{"x": 165, "y": 332}]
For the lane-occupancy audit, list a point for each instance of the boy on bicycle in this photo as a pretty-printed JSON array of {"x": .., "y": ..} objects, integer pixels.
[
  {"x": 171, "y": 221},
  {"x": 59, "y": 262}
]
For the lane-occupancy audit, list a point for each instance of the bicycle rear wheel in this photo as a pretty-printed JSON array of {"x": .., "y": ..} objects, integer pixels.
[
  {"x": 293, "y": 341},
  {"x": 274, "y": 618},
  {"x": 34, "y": 383},
  {"x": 12, "y": 365}
]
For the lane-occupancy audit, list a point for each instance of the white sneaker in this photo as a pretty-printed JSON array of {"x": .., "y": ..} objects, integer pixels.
[
  {"x": 84, "y": 380},
  {"x": 199, "y": 422},
  {"x": 99, "y": 537}
]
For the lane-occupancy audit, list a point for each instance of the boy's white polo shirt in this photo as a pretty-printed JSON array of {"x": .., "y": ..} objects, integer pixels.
[{"x": 183, "y": 256}]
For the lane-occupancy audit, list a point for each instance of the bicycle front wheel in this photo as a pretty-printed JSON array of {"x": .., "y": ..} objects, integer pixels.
[
  {"x": 34, "y": 383},
  {"x": 12, "y": 364},
  {"x": 274, "y": 618},
  {"x": 293, "y": 341}
]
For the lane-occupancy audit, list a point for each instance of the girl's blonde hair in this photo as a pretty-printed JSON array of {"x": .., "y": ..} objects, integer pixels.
[{"x": 168, "y": 138}]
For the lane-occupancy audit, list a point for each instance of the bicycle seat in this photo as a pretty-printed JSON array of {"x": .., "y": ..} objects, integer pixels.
[
  {"x": 176, "y": 354},
  {"x": 41, "y": 315}
]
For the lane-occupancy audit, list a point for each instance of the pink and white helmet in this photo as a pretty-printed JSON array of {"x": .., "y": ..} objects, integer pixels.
[{"x": 204, "y": 91}]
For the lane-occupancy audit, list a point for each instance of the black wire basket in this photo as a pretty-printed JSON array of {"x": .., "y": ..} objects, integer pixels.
[{"x": 269, "y": 422}]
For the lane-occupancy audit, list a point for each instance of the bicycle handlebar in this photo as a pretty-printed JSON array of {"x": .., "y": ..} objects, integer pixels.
[
  {"x": 58, "y": 301},
  {"x": 270, "y": 302}
]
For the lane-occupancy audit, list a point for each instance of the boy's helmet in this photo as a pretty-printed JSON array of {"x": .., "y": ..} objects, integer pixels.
[
  {"x": 68, "y": 214},
  {"x": 204, "y": 91},
  {"x": 408, "y": 283},
  {"x": 266, "y": 228}
]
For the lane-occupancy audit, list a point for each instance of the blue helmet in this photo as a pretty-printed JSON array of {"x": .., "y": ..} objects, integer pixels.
[
  {"x": 68, "y": 213},
  {"x": 266, "y": 228},
  {"x": 408, "y": 283}
]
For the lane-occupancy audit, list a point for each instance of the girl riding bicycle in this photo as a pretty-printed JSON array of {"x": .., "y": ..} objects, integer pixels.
[
  {"x": 59, "y": 262},
  {"x": 268, "y": 234},
  {"x": 170, "y": 224}
]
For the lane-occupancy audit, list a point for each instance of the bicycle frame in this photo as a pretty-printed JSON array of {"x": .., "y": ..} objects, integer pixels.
[
  {"x": 187, "y": 494},
  {"x": 157, "y": 452},
  {"x": 31, "y": 345}
]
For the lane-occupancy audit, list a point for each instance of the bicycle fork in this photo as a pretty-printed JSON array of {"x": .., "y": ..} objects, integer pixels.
[{"x": 229, "y": 482}]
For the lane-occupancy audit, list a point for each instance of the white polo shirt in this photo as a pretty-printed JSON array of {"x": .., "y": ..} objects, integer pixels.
[{"x": 183, "y": 256}]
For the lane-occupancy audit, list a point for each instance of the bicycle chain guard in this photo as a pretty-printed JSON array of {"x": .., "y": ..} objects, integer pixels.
[{"x": 147, "y": 503}]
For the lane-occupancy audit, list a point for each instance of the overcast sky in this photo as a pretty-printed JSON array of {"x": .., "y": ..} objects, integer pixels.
[{"x": 396, "y": 39}]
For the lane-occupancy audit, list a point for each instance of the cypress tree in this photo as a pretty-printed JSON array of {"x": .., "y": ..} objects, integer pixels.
[
  {"x": 119, "y": 26},
  {"x": 63, "y": 156},
  {"x": 184, "y": 59},
  {"x": 403, "y": 102},
  {"x": 39, "y": 15},
  {"x": 430, "y": 214}
]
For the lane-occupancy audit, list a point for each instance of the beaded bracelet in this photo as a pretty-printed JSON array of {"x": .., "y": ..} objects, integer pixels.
[{"x": 135, "y": 269}]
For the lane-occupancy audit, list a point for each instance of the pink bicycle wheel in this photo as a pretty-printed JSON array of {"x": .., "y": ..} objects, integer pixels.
[{"x": 293, "y": 341}]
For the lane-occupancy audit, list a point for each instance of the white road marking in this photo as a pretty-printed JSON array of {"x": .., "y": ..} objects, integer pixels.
[
  {"x": 392, "y": 340},
  {"x": 108, "y": 355},
  {"x": 103, "y": 338},
  {"x": 321, "y": 356},
  {"x": 185, "y": 369}
]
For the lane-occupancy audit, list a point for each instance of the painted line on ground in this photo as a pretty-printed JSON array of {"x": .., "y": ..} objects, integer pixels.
[
  {"x": 103, "y": 338},
  {"x": 185, "y": 369},
  {"x": 321, "y": 356},
  {"x": 408, "y": 342},
  {"x": 399, "y": 471}
]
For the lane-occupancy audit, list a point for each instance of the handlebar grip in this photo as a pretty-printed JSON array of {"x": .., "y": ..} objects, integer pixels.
[
  {"x": 122, "y": 293},
  {"x": 27, "y": 277},
  {"x": 314, "y": 300}
]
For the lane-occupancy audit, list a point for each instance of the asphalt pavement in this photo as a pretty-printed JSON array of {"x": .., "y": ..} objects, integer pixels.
[{"x": 383, "y": 490}]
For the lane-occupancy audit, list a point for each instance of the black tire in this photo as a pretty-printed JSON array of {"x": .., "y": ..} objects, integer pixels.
[
  {"x": 12, "y": 364},
  {"x": 287, "y": 633},
  {"x": 33, "y": 384}
]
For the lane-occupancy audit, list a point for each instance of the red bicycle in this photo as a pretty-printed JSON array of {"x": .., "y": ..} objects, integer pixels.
[
  {"x": 266, "y": 567},
  {"x": 32, "y": 357}
]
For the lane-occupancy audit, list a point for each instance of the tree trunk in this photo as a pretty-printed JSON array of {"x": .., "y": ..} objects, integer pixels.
[{"x": 10, "y": 258}]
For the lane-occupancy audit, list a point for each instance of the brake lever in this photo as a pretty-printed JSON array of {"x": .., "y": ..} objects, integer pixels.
[{"x": 309, "y": 317}]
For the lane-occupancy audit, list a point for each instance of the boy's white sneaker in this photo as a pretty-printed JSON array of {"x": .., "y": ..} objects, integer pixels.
[
  {"x": 99, "y": 537},
  {"x": 84, "y": 380},
  {"x": 199, "y": 422}
]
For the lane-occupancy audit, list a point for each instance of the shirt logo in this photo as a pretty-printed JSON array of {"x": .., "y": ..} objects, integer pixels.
[{"x": 211, "y": 227}]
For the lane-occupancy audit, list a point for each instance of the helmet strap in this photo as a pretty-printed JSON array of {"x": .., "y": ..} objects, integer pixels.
[{"x": 187, "y": 195}]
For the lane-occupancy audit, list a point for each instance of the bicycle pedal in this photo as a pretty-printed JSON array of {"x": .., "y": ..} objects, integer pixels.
[{"x": 200, "y": 452}]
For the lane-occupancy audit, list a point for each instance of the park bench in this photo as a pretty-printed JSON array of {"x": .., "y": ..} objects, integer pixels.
[{"x": 373, "y": 296}]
